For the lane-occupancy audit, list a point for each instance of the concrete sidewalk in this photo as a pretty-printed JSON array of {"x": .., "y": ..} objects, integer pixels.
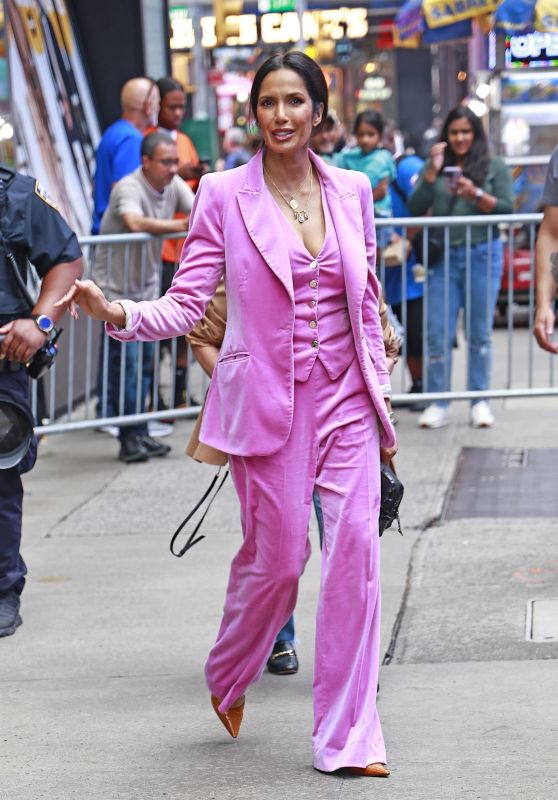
[{"x": 102, "y": 695}]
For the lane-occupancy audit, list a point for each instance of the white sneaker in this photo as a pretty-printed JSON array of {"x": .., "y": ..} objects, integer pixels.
[
  {"x": 481, "y": 415},
  {"x": 434, "y": 417},
  {"x": 157, "y": 427},
  {"x": 112, "y": 430}
]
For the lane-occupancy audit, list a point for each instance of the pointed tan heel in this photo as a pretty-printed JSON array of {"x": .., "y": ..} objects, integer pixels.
[
  {"x": 370, "y": 771},
  {"x": 231, "y": 719}
]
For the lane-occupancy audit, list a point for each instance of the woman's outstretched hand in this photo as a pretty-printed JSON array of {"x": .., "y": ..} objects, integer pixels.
[{"x": 87, "y": 296}]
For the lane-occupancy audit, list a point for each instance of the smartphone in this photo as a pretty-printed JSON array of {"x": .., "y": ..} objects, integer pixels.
[{"x": 452, "y": 175}]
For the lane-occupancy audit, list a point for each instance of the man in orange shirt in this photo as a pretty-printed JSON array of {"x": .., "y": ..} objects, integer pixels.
[{"x": 171, "y": 114}]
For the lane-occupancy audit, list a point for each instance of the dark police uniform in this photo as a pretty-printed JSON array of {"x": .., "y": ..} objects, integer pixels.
[{"x": 33, "y": 229}]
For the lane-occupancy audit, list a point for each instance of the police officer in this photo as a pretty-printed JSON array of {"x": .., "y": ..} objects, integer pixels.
[{"x": 31, "y": 229}]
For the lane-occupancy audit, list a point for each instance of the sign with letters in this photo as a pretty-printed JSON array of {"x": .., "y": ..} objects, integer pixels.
[
  {"x": 446, "y": 12},
  {"x": 274, "y": 28}
]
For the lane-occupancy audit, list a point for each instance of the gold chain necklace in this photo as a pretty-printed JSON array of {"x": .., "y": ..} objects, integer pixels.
[{"x": 301, "y": 215}]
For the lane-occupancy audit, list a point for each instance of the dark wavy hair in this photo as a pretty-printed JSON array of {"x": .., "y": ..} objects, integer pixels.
[
  {"x": 304, "y": 66},
  {"x": 477, "y": 160},
  {"x": 369, "y": 117}
]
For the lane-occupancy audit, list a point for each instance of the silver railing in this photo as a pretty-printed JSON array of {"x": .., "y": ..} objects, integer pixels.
[
  {"x": 519, "y": 367},
  {"x": 77, "y": 393}
]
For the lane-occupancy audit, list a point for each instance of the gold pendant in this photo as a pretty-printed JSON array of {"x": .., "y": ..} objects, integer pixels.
[{"x": 293, "y": 204}]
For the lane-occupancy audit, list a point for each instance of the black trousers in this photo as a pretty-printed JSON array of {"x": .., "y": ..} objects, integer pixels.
[{"x": 15, "y": 386}]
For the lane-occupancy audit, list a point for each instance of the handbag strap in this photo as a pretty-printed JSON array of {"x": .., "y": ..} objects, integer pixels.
[{"x": 191, "y": 539}]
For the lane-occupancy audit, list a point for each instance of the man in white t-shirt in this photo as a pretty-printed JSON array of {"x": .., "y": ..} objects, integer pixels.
[{"x": 144, "y": 201}]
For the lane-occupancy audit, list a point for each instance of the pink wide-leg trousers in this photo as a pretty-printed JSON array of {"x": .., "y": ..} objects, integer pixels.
[{"x": 333, "y": 445}]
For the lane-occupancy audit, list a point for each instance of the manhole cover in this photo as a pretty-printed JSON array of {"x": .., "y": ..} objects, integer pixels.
[
  {"x": 542, "y": 620},
  {"x": 503, "y": 483}
]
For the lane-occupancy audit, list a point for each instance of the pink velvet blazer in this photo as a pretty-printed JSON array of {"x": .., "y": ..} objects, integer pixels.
[{"x": 249, "y": 406}]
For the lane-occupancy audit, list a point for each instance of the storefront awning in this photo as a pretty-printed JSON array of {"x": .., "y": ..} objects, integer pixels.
[
  {"x": 439, "y": 20},
  {"x": 523, "y": 16},
  {"x": 440, "y": 13}
]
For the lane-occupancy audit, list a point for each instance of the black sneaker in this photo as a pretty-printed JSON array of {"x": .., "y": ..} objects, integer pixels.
[
  {"x": 283, "y": 659},
  {"x": 9, "y": 613},
  {"x": 154, "y": 448},
  {"x": 418, "y": 405},
  {"x": 132, "y": 449}
]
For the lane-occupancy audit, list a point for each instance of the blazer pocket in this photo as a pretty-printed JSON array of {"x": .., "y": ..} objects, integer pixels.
[{"x": 233, "y": 358}]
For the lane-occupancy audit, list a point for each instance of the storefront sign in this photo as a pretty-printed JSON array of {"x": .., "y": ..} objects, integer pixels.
[
  {"x": 335, "y": 24},
  {"x": 533, "y": 48},
  {"x": 533, "y": 88},
  {"x": 446, "y": 12},
  {"x": 275, "y": 28},
  {"x": 267, "y": 6},
  {"x": 375, "y": 89},
  {"x": 546, "y": 15},
  {"x": 182, "y": 30}
]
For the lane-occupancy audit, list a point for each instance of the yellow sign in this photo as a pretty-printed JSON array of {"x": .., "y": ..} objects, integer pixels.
[
  {"x": 411, "y": 42},
  {"x": 275, "y": 28},
  {"x": 446, "y": 12},
  {"x": 226, "y": 13},
  {"x": 546, "y": 16},
  {"x": 59, "y": 23}
]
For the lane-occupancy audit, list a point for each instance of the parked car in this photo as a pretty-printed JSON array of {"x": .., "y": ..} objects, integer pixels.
[{"x": 523, "y": 273}]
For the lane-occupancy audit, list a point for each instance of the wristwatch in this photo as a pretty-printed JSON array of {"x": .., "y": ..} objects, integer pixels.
[
  {"x": 478, "y": 195},
  {"x": 44, "y": 323}
]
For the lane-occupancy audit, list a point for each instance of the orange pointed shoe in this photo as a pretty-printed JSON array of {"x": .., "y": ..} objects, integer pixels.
[
  {"x": 231, "y": 719},
  {"x": 370, "y": 771}
]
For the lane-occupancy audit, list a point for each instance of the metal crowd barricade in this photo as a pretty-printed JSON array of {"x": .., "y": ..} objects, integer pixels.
[
  {"x": 76, "y": 394},
  {"x": 519, "y": 367}
]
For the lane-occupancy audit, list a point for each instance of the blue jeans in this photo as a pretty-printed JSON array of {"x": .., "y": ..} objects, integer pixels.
[
  {"x": 137, "y": 375},
  {"x": 447, "y": 294},
  {"x": 105, "y": 406},
  {"x": 287, "y": 632}
]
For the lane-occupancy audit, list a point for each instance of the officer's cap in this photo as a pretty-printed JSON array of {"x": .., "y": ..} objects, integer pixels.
[{"x": 16, "y": 433}]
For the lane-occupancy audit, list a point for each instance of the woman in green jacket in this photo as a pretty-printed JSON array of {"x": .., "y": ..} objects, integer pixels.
[{"x": 476, "y": 183}]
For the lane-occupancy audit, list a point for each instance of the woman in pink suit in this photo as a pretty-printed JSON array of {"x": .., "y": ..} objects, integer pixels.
[{"x": 299, "y": 398}]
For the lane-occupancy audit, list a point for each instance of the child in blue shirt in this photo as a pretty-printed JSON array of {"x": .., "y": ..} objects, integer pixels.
[{"x": 375, "y": 161}]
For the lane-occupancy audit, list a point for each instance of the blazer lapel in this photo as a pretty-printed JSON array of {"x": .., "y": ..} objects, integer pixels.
[
  {"x": 259, "y": 215},
  {"x": 346, "y": 213}
]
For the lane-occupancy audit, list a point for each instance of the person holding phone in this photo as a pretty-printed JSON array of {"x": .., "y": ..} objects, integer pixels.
[{"x": 462, "y": 178}]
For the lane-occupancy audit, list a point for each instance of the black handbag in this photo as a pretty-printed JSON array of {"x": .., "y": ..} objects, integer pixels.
[
  {"x": 435, "y": 249},
  {"x": 391, "y": 496}
]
